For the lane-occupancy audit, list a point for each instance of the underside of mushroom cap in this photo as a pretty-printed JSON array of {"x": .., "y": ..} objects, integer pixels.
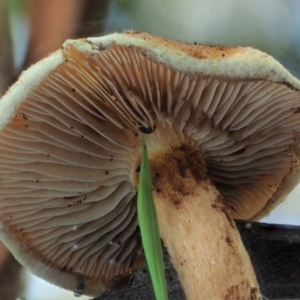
[{"x": 69, "y": 145}]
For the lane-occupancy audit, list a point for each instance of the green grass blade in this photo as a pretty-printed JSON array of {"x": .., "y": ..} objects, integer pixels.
[{"x": 149, "y": 229}]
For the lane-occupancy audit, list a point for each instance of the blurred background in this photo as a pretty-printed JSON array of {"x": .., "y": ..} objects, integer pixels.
[{"x": 31, "y": 29}]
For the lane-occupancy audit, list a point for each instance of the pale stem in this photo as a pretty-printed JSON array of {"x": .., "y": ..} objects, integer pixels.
[{"x": 199, "y": 233}]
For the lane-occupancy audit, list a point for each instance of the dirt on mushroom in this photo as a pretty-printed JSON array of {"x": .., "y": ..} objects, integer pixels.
[{"x": 175, "y": 173}]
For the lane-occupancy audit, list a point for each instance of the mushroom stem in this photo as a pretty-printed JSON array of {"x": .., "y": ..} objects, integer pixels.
[{"x": 209, "y": 257}]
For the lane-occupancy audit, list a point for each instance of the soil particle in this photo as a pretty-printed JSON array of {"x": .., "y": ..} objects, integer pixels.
[
  {"x": 237, "y": 292},
  {"x": 176, "y": 172}
]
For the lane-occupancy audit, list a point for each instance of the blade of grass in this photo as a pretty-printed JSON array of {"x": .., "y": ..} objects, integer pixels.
[{"x": 147, "y": 219}]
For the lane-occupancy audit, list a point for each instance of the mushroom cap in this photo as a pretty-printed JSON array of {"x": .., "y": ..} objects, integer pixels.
[{"x": 70, "y": 149}]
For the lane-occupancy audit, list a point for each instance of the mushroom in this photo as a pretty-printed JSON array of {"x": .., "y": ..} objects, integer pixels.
[{"x": 221, "y": 125}]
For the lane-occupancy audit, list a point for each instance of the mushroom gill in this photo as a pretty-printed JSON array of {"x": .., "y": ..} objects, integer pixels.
[{"x": 231, "y": 121}]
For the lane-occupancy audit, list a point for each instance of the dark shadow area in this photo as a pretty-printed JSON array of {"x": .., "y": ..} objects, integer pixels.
[
  {"x": 13, "y": 281},
  {"x": 275, "y": 253}
]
